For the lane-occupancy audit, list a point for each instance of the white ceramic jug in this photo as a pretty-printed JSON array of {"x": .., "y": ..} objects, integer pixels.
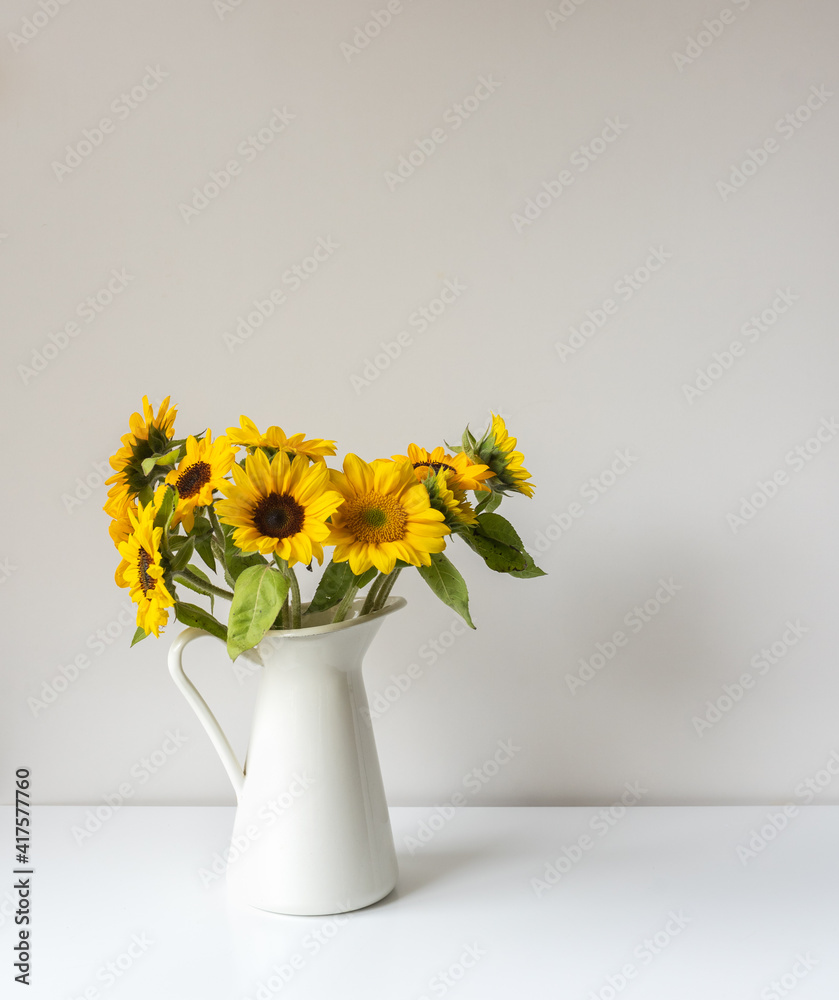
[{"x": 312, "y": 831}]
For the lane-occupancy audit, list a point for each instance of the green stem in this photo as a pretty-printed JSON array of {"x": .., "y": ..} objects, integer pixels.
[
  {"x": 218, "y": 531},
  {"x": 293, "y": 591},
  {"x": 385, "y": 589},
  {"x": 217, "y": 528},
  {"x": 286, "y": 616},
  {"x": 184, "y": 574},
  {"x": 346, "y": 603},
  {"x": 296, "y": 613},
  {"x": 372, "y": 594}
]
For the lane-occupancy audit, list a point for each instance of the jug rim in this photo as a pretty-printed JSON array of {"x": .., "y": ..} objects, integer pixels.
[{"x": 392, "y": 604}]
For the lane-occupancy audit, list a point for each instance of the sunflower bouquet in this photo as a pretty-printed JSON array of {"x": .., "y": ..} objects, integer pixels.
[{"x": 252, "y": 506}]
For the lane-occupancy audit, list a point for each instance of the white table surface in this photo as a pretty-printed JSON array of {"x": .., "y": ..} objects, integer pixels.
[{"x": 465, "y": 903}]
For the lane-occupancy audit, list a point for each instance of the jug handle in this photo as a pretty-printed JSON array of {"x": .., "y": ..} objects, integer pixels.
[{"x": 202, "y": 709}]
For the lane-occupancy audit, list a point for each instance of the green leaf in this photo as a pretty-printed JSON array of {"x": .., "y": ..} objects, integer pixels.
[
  {"x": 163, "y": 517},
  {"x": 447, "y": 584},
  {"x": 139, "y": 635},
  {"x": 500, "y": 529},
  {"x": 336, "y": 580},
  {"x": 489, "y": 503},
  {"x": 257, "y": 599},
  {"x": 204, "y": 548},
  {"x": 530, "y": 571},
  {"x": 201, "y": 527},
  {"x": 499, "y": 557},
  {"x": 183, "y": 555},
  {"x": 191, "y": 614}
]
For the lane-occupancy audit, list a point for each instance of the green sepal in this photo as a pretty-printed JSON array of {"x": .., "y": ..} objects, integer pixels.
[
  {"x": 489, "y": 503},
  {"x": 257, "y": 599},
  {"x": 195, "y": 617},
  {"x": 168, "y": 459},
  {"x": 468, "y": 442},
  {"x": 139, "y": 635},
  {"x": 158, "y": 442},
  {"x": 447, "y": 583}
]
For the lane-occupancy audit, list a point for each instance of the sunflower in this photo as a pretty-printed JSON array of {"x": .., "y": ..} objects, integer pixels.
[
  {"x": 201, "y": 470},
  {"x": 129, "y": 477},
  {"x": 386, "y": 515},
  {"x": 280, "y": 507},
  {"x": 120, "y": 527},
  {"x": 450, "y": 501},
  {"x": 462, "y": 472},
  {"x": 248, "y": 436},
  {"x": 141, "y": 568},
  {"x": 496, "y": 449}
]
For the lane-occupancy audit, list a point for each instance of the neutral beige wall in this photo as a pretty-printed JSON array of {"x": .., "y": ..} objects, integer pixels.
[{"x": 619, "y": 169}]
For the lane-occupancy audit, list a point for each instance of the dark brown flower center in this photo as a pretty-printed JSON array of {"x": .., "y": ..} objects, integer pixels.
[
  {"x": 436, "y": 466},
  {"x": 143, "y": 562},
  {"x": 278, "y": 515},
  {"x": 193, "y": 478}
]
